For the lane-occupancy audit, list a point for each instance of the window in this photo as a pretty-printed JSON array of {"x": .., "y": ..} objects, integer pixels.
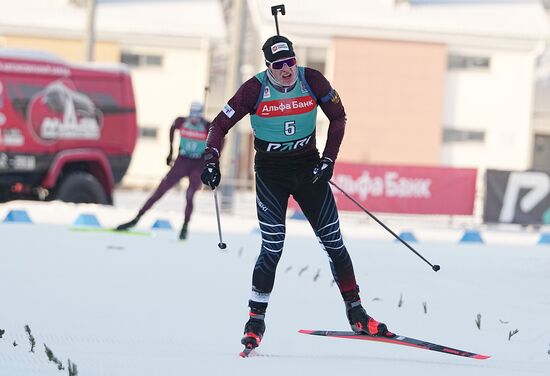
[
  {"x": 460, "y": 135},
  {"x": 462, "y": 62},
  {"x": 140, "y": 60},
  {"x": 312, "y": 57},
  {"x": 542, "y": 97},
  {"x": 148, "y": 132},
  {"x": 153, "y": 60},
  {"x": 316, "y": 59},
  {"x": 317, "y": 65}
]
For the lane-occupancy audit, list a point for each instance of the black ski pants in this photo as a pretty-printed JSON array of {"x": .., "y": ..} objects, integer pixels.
[{"x": 317, "y": 203}]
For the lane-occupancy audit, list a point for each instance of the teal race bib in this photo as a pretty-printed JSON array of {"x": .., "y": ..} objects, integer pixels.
[
  {"x": 284, "y": 121},
  {"x": 193, "y": 139}
]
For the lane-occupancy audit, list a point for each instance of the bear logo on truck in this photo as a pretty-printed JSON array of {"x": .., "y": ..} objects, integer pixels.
[{"x": 60, "y": 112}]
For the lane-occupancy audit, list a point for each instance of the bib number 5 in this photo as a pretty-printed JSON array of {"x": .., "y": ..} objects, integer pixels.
[{"x": 290, "y": 128}]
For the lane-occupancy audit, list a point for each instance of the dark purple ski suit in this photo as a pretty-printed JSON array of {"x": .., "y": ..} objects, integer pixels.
[{"x": 183, "y": 167}]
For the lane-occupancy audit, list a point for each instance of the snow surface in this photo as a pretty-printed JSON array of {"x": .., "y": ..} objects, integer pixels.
[{"x": 119, "y": 304}]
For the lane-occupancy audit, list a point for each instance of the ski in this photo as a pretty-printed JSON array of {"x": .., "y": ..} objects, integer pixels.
[
  {"x": 247, "y": 350},
  {"x": 397, "y": 340},
  {"x": 111, "y": 230}
]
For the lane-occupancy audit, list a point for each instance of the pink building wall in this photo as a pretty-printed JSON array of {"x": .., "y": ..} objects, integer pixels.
[{"x": 393, "y": 92}]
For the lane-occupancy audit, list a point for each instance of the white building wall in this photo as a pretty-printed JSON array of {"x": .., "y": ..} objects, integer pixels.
[
  {"x": 162, "y": 94},
  {"x": 497, "y": 101}
]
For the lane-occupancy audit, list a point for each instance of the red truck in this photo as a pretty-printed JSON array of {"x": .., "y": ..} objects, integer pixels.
[{"x": 67, "y": 131}]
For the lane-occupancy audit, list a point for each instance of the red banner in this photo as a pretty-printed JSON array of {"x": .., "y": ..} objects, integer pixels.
[
  {"x": 284, "y": 107},
  {"x": 407, "y": 190}
]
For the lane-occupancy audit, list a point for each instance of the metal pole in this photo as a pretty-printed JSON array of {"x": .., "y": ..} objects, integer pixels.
[
  {"x": 435, "y": 268},
  {"x": 90, "y": 30},
  {"x": 221, "y": 244}
]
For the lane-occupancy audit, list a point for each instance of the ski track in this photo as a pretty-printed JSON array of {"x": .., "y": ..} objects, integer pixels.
[{"x": 152, "y": 305}]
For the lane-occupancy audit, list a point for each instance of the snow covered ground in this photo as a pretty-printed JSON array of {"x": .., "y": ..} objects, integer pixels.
[{"x": 119, "y": 304}]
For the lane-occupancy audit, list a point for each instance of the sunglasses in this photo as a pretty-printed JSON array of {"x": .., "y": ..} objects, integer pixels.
[{"x": 290, "y": 62}]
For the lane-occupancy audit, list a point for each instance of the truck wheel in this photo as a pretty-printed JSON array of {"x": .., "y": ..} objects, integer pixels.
[{"x": 81, "y": 187}]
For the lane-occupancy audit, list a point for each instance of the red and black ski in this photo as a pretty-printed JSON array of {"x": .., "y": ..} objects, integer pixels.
[{"x": 397, "y": 340}]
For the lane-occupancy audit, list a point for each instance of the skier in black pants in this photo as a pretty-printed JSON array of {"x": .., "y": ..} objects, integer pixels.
[{"x": 282, "y": 102}]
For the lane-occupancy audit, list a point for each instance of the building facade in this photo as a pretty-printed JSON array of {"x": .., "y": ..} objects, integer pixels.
[
  {"x": 451, "y": 83},
  {"x": 458, "y": 83}
]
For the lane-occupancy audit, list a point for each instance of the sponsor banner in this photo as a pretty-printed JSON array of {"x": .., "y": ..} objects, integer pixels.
[
  {"x": 283, "y": 146},
  {"x": 520, "y": 197},
  {"x": 193, "y": 134},
  {"x": 285, "y": 107},
  {"x": 406, "y": 190}
]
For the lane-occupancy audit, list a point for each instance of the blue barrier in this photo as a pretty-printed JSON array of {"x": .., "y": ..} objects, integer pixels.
[
  {"x": 87, "y": 220},
  {"x": 17, "y": 216},
  {"x": 162, "y": 224},
  {"x": 407, "y": 236},
  {"x": 544, "y": 238},
  {"x": 471, "y": 236}
]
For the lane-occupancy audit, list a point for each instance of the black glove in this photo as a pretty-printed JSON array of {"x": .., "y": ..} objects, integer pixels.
[
  {"x": 211, "y": 175},
  {"x": 169, "y": 157},
  {"x": 323, "y": 171}
]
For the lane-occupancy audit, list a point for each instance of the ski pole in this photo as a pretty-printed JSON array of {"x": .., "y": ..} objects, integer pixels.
[
  {"x": 221, "y": 244},
  {"x": 434, "y": 267},
  {"x": 276, "y": 9}
]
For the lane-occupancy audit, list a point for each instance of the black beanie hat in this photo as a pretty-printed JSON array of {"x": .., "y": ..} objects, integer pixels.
[{"x": 277, "y": 47}]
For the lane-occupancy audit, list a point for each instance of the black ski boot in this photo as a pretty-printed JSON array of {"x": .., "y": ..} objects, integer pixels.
[
  {"x": 362, "y": 323},
  {"x": 254, "y": 329},
  {"x": 127, "y": 225},
  {"x": 183, "y": 232}
]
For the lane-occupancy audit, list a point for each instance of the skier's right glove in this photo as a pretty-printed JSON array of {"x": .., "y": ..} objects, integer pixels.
[{"x": 211, "y": 175}]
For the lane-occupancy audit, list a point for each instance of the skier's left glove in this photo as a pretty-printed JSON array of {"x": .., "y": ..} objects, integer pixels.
[{"x": 323, "y": 171}]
